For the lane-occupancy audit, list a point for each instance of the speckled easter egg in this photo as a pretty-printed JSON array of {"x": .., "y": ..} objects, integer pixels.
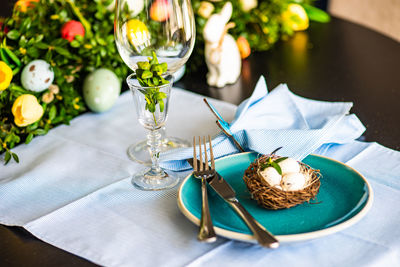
[
  {"x": 37, "y": 76},
  {"x": 101, "y": 89},
  {"x": 271, "y": 176},
  {"x": 293, "y": 181},
  {"x": 289, "y": 165}
]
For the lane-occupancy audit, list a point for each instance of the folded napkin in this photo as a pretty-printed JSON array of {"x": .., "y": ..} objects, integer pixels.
[{"x": 280, "y": 118}]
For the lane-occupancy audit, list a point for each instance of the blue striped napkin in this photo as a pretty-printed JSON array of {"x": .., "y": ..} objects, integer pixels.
[{"x": 266, "y": 121}]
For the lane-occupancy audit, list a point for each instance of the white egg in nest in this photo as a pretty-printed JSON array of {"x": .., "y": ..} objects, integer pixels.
[
  {"x": 289, "y": 165},
  {"x": 293, "y": 181},
  {"x": 37, "y": 76},
  {"x": 271, "y": 176}
]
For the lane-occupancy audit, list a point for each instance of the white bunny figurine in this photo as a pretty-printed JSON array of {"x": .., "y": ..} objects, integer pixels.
[{"x": 221, "y": 52}]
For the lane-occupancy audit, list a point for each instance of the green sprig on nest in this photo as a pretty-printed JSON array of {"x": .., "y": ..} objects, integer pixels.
[
  {"x": 149, "y": 75},
  {"x": 272, "y": 163}
]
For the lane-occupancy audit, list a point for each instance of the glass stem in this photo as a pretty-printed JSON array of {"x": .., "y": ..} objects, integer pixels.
[
  {"x": 154, "y": 142},
  {"x": 164, "y": 139}
]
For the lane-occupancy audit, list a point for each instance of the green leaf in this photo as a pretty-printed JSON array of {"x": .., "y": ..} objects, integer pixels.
[
  {"x": 41, "y": 45},
  {"x": 16, "y": 70},
  {"x": 26, "y": 24},
  {"x": 12, "y": 56},
  {"x": 39, "y": 132},
  {"x": 33, "y": 52},
  {"x": 152, "y": 108},
  {"x": 62, "y": 51},
  {"x": 276, "y": 167},
  {"x": 52, "y": 113},
  {"x": 147, "y": 74},
  {"x": 39, "y": 38},
  {"x": 75, "y": 44},
  {"x": 164, "y": 66},
  {"x": 150, "y": 82},
  {"x": 155, "y": 81},
  {"x": 15, "y": 157},
  {"x": 280, "y": 159},
  {"x": 316, "y": 14},
  {"x": 4, "y": 56},
  {"x": 161, "y": 103},
  {"x": 13, "y": 34},
  {"x": 32, "y": 127},
  {"x": 7, "y": 157},
  {"x": 79, "y": 38},
  {"x": 157, "y": 68},
  {"x": 29, "y": 138},
  {"x": 143, "y": 65}
]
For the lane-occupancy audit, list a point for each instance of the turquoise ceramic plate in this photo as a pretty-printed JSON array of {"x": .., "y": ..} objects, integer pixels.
[{"x": 345, "y": 196}]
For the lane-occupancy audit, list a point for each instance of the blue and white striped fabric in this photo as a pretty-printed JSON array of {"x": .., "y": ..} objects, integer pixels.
[{"x": 266, "y": 121}]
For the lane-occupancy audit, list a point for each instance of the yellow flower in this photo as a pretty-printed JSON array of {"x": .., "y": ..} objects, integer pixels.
[
  {"x": 5, "y": 75},
  {"x": 87, "y": 46},
  {"x": 137, "y": 33},
  {"x": 26, "y": 110},
  {"x": 22, "y": 50},
  {"x": 296, "y": 17},
  {"x": 54, "y": 17}
]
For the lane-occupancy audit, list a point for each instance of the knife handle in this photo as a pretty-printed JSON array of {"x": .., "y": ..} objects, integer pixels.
[
  {"x": 264, "y": 238},
  {"x": 206, "y": 232}
]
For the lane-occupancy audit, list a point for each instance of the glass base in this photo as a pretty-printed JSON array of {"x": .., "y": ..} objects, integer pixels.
[
  {"x": 140, "y": 152},
  {"x": 151, "y": 181}
]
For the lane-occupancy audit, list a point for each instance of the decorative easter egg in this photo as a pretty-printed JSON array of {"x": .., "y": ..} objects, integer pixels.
[
  {"x": 71, "y": 29},
  {"x": 289, "y": 165},
  {"x": 293, "y": 181},
  {"x": 271, "y": 176},
  {"x": 160, "y": 10},
  {"x": 37, "y": 76},
  {"x": 137, "y": 32},
  {"x": 244, "y": 47},
  {"x": 134, "y": 7},
  {"x": 101, "y": 89}
]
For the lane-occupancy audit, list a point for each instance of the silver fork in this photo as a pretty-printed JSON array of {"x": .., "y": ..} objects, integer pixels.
[{"x": 203, "y": 172}]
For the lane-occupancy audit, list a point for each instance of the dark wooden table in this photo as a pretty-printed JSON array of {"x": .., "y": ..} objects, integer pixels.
[{"x": 339, "y": 61}]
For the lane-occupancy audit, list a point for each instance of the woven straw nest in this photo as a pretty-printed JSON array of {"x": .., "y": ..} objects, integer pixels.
[{"x": 274, "y": 198}]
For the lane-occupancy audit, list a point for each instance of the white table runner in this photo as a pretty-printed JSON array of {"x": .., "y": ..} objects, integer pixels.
[{"x": 72, "y": 189}]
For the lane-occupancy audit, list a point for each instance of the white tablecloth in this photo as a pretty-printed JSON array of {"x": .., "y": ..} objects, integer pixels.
[{"x": 72, "y": 189}]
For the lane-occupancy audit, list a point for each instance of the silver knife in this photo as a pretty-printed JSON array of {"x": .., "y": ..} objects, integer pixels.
[{"x": 224, "y": 190}]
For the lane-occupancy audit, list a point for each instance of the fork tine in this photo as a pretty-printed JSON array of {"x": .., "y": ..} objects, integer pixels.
[
  {"x": 205, "y": 153},
  {"x": 211, "y": 154},
  {"x": 201, "y": 155},
  {"x": 194, "y": 154}
]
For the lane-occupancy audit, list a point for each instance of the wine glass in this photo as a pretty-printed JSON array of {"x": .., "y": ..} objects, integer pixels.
[
  {"x": 154, "y": 178},
  {"x": 165, "y": 27}
]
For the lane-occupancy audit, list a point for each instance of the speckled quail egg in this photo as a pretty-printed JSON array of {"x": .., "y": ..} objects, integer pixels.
[
  {"x": 289, "y": 165},
  {"x": 293, "y": 181},
  {"x": 37, "y": 76},
  {"x": 101, "y": 89},
  {"x": 271, "y": 176}
]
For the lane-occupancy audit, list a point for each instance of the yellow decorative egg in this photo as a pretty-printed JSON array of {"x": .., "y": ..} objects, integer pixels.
[
  {"x": 137, "y": 33},
  {"x": 296, "y": 17}
]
